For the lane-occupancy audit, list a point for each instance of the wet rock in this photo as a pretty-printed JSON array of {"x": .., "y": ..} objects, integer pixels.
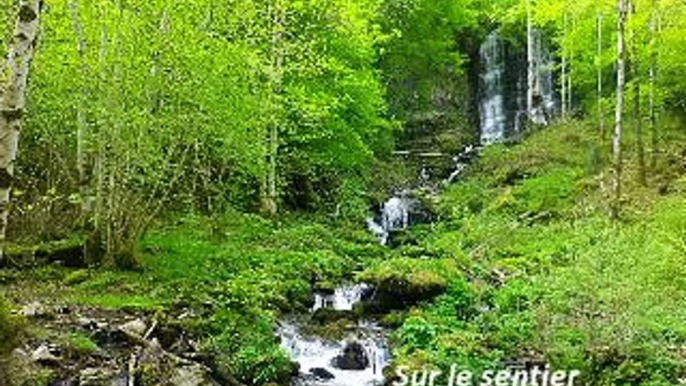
[
  {"x": 90, "y": 324},
  {"x": 322, "y": 373},
  {"x": 325, "y": 287},
  {"x": 354, "y": 357},
  {"x": 45, "y": 355},
  {"x": 101, "y": 377},
  {"x": 295, "y": 369},
  {"x": 153, "y": 353},
  {"x": 328, "y": 315},
  {"x": 34, "y": 310},
  {"x": 135, "y": 327},
  {"x": 107, "y": 337},
  {"x": 192, "y": 375}
]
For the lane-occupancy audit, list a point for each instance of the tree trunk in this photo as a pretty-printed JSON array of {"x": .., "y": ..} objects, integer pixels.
[
  {"x": 569, "y": 71},
  {"x": 651, "y": 81},
  {"x": 563, "y": 77},
  {"x": 617, "y": 137},
  {"x": 530, "y": 62},
  {"x": 270, "y": 195},
  {"x": 13, "y": 102},
  {"x": 599, "y": 69},
  {"x": 80, "y": 115},
  {"x": 83, "y": 165},
  {"x": 638, "y": 118}
]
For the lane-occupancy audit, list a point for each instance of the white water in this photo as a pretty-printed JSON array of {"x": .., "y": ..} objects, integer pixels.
[
  {"x": 492, "y": 108},
  {"x": 316, "y": 353},
  {"x": 395, "y": 215},
  {"x": 343, "y": 298},
  {"x": 497, "y": 123},
  {"x": 313, "y": 353}
]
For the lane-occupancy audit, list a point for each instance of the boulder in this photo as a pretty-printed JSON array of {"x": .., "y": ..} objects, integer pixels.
[
  {"x": 44, "y": 355},
  {"x": 101, "y": 377},
  {"x": 192, "y": 375},
  {"x": 135, "y": 327},
  {"x": 353, "y": 357},
  {"x": 34, "y": 310},
  {"x": 322, "y": 373},
  {"x": 328, "y": 315}
]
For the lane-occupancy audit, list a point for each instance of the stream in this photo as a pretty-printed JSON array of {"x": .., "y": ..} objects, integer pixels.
[
  {"x": 360, "y": 357},
  {"x": 356, "y": 360}
]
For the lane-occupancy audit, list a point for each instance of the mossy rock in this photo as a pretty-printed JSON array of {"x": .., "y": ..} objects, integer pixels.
[
  {"x": 325, "y": 287},
  {"x": 402, "y": 282},
  {"x": 327, "y": 315}
]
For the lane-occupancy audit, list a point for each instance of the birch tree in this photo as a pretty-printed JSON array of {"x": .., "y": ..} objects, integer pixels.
[
  {"x": 651, "y": 81},
  {"x": 276, "y": 71},
  {"x": 13, "y": 102},
  {"x": 638, "y": 118},
  {"x": 531, "y": 65},
  {"x": 599, "y": 74},
  {"x": 617, "y": 137},
  {"x": 563, "y": 75}
]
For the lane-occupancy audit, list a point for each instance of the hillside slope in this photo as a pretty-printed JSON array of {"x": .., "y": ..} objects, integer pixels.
[{"x": 547, "y": 276}]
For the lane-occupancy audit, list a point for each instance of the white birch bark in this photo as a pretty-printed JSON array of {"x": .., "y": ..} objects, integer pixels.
[
  {"x": 599, "y": 71},
  {"x": 13, "y": 102},
  {"x": 652, "y": 75},
  {"x": 617, "y": 135},
  {"x": 531, "y": 66},
  {"x": 564, "y": 67}
]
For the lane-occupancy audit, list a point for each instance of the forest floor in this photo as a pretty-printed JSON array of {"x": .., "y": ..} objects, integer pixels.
[{"x": 522, "y": 263}]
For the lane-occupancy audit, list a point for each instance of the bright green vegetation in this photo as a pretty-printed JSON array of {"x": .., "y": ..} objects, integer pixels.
[
  {"x": 237, "y": 272},
  {"x": 80, "y": 344},
  {"x": 550, "y": 277},
  {"x": 217, "y": 159}
]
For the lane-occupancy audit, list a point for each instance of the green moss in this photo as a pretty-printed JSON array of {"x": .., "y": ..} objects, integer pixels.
[
  {"x": 411, "y": 279},
  {"x": 79, "y": 344},
  {"x": 12, "y": 329},
  {"x": 76, "y": 277}
]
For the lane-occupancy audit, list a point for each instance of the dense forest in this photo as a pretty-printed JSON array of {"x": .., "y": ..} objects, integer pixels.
[{"x": 342, "y": 192}]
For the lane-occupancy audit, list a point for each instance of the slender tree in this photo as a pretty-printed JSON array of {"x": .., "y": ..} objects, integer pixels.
[
  {"x": 638, "y": 118},
  {"x": 13, "y": 101},
  {"x": 563, "y": 77},
  {"x": 570, "y": 68},
  {"x": 617, "y": 137},
  {"x": 599, "y": 71},
  {"x": 651, "y": 82},
  {"x": 531, "y": 65},
  {"x": 83, "y": 164},
  {"x": 277, "y": 27}
]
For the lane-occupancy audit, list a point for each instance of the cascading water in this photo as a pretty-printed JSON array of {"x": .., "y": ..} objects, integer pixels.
[
  {"x": 503, "y": 105},
  {"x": 316, "y": 357},
  {"x": 493, "y": 115},
  {"x": 342, "y": 299},
  {"x": 395, "y": 215},
  {"x": 320, "y": 360}
]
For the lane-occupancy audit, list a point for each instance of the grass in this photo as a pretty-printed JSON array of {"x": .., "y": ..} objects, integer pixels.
[
  {"x": 522, "y": 262},
  {"x": 239, "y": 271},
  {"x": 79, "y": 344},
  {"x": 555, "y": 279}
]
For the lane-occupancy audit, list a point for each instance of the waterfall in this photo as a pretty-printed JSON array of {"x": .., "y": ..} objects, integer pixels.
[
  {"x": 503, "y": 104},
  {"x": 319, "y": 358},
  {"x": 315, "y": 354},
  {"x": 395, "y": 215},
  {"x": 492, "y": 107},
  {"x": 342, "y": 299}
]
